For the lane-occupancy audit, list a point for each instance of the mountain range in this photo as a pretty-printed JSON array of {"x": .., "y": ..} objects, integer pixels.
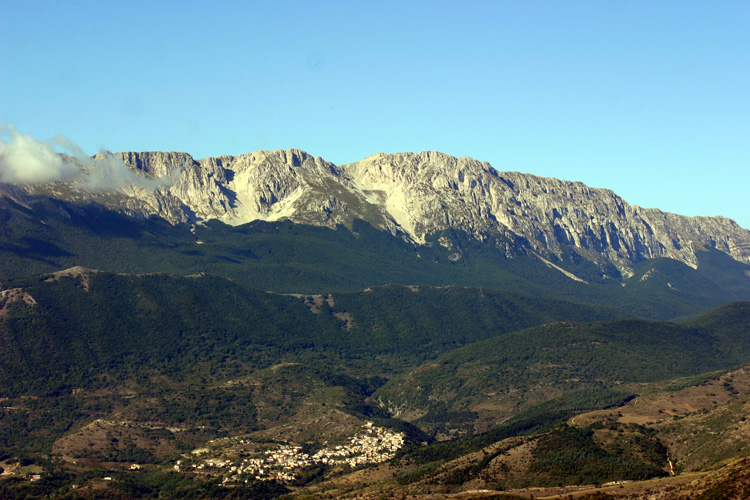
[
  {"x": 415, "y": 196},
  {"x": 187, "y": 317}
]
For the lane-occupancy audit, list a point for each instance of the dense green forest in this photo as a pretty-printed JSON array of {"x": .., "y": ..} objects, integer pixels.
[
  {"x": 50, "y": 235},
  {"x": 84, "y": 325}
]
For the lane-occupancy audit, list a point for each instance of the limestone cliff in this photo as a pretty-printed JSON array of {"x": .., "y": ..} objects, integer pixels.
[{"x": 415, "y": 195}]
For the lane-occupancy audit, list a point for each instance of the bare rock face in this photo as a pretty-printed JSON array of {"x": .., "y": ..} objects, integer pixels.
[
  {"x": 264, "y": 185},
  {"x": 156, "y": 164},
  {"x": 415, "y": 195},
  {"x": 429, "y": 192}
]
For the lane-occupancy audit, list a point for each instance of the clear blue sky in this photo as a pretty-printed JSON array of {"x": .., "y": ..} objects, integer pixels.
[{"x": 650, "y": 99}]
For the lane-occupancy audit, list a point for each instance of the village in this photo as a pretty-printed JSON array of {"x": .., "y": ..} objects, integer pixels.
[{"x": 284, "y": 462}]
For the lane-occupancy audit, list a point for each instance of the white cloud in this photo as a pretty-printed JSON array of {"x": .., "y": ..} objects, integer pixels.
[
  {"x": 107, "y": 172},
  {"x": 25, "y": 160}
]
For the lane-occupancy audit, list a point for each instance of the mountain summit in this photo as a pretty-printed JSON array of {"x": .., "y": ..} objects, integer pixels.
[{"x": 415, "y": 195}]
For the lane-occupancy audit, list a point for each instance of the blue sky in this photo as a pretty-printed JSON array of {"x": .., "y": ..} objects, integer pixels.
[{"x": 649, "y": 99}]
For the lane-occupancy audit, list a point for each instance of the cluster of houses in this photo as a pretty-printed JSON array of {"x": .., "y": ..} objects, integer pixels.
[
  {"x": 283, "y": 464},
  {"x": 373, "y": 446}
]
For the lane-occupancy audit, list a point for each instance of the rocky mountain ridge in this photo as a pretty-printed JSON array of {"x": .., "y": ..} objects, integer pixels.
[{"x": 416, "y": 195}]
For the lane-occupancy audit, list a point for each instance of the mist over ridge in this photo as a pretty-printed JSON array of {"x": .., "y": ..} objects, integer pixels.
[{"x": 25, "y": 160}]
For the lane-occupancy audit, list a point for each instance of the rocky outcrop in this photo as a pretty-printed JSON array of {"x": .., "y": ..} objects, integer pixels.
[
  {"x": 419, "y": 194},
  {"x": 156, "y": 163}
]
